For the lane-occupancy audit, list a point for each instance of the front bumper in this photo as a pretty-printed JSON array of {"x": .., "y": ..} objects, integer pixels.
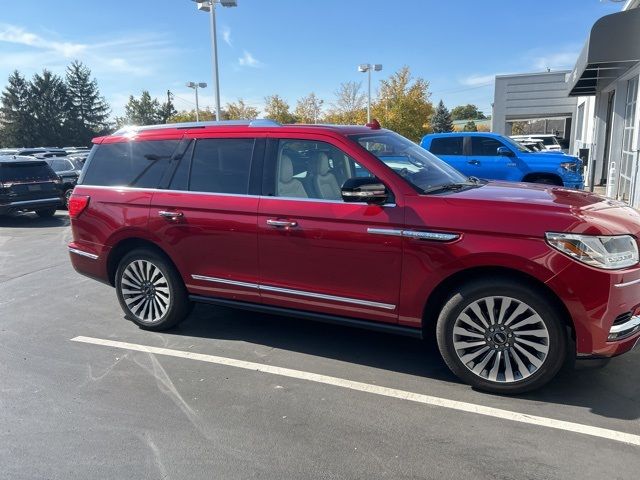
[{"x": 604, "y": 306}]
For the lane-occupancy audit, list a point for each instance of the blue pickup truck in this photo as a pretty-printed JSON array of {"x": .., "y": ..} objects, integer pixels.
[{"x": 496, "y": 157}]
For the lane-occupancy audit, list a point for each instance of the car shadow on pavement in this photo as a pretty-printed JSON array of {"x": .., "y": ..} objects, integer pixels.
[
  {"x": 612, "y": 391},
  {"x": 31, "y": 220}
]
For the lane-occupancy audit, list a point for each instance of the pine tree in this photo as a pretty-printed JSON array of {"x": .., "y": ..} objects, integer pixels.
[
  {"x": 441, "y": 121},
  {"x": 49, "y": 104},
  {"x": 16, "y": 121},
  {"x": 141, "y": 112},
  {"x": 88, "y": 114}
]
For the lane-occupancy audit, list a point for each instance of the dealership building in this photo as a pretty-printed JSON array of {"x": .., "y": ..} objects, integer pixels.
[{"x": 594, "y": 107}]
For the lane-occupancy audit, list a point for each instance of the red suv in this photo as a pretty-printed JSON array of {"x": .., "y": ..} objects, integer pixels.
[{"x": 360, "y": 226}]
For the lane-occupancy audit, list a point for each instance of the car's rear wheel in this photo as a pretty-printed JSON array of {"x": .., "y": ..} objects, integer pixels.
[
  {"x": 67, "y": 196},
  {"x": 150, "y": 290},
  {"x": 501, "y": 336},
  {"x": 46, "y": 212}
]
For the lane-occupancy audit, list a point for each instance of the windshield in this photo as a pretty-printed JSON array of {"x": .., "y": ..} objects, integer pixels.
[
  {"x": 418, "y": 166},
  {"x": 515, "y": 145}
]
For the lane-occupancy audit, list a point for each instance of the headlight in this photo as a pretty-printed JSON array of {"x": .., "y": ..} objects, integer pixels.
[
  {"x": 610, "y": 253},
  {"x": 570, "y": 166}
]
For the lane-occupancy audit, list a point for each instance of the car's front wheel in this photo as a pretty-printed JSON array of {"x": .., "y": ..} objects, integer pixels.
[
  {"x": 501, "y": 336},
  {"x": 150, "y": 290}
]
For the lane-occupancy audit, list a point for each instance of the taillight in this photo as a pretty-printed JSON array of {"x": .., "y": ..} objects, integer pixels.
[{"x": 77, "y": 204}]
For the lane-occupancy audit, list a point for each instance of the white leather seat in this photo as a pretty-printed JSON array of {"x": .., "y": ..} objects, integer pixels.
[
  {"x": 288, "y": 186},
  {"x": 325, "y": 183}
]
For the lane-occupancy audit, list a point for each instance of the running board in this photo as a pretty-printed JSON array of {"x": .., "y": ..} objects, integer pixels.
[{"x": 316, "y": 317}]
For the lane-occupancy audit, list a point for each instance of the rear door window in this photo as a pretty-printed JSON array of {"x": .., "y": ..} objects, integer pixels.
[
  {"x": 485, "y": 146},
  {"x": 447, "y": 146},
  {"x": 129, "y": 164},
  {"x": 222, "y": 165}
]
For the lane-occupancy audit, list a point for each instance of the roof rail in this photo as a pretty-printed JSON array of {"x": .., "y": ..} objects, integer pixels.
[{"x": 184, "y": 125}]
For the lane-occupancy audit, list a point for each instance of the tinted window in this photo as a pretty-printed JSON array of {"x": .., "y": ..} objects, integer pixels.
[
  {"x": 485, "y": 146},
  {"x": 25, "y": 172},
  {"x": 180, "y": 179},
  {"x": 446, "y": 146},
  {"x": 221, "y": 165},
  {"x": 131, "y": 164}
]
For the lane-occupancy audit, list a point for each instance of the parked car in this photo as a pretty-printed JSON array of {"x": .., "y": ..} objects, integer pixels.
[
  {"x": 69, "y": 171},
  {"x": 358, "y": 226},
  {"x": 550, "y": 141},
  {"x": 28, "y": 185},
  {"x": 496, "y": 157},
  {"x": 42, "y": 152}
]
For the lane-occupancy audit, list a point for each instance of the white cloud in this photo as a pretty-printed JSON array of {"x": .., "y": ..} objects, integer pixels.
[
  {"x": 556, "y": 61},
  {"x": 248, "y": 60},
  {"x": 226, "y": 35},
  {"x": 18, "y": 35},
  {"x": 479, "y": 80}
]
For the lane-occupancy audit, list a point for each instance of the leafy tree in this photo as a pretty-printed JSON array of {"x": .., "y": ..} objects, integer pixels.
[
  {"x": 88, "y": 114},
  {"x": 309, "y": 109},
  {"x": 349, "y": 106},
  {"x": 205, "y": 115},
  {"x": 441, "y": 120},
  {"x": 49, "y": 105},
  {"x": 143, "y": 111},
  {"x": 403, "y": 105},
  {"x": 467, "y": 112},
  {"x": 470, "y": 127},
  {"x": 240, "y": 111},
  {"x": 167, "y": 109},
  {"x": 278, "y": 109},
  {"x": 16, "y": 121}
]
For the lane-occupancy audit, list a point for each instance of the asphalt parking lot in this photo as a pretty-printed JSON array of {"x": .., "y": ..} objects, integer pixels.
[{"x": 86, "y": 394}]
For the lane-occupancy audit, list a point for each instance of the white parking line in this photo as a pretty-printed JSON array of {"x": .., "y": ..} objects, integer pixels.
[{"x": 376, "y": 389}]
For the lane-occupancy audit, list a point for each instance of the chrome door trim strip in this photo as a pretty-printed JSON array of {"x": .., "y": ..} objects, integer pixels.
[
  {"x": 417, "y": 235},
  {"x": 225, "y": 281},
  {"x": 627, "y": 284},
  {"x": 289, "y": 291},
  {"x": 385, "y": 231},
  {"x": 82, "y": 253},
  {"x": 322, "y": 296}
]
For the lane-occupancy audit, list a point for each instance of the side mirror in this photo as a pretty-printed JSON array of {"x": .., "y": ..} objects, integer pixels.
[
  {"x": 368, "y": 190},
  {"x": 505, "y": 152}
]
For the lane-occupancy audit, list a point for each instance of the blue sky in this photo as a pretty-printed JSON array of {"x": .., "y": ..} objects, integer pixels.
[{"x": 294, "y": 47}]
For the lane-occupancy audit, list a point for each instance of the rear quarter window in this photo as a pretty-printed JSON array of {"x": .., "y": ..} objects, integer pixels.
[
  {"x": 129, "y": 164},
  {"x": 446, "y": 146}
]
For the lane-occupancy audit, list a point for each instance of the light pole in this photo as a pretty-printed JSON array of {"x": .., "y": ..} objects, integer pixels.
[
  {"x": 366, "y": 68},
  {"x": 210, "y": 6},
  {"x": 195, "y": 86}
]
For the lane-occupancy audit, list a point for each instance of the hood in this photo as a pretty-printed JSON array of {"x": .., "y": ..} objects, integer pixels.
[
  {"x": 558, "y": 156},
  {"x": 532, "y": 210}
]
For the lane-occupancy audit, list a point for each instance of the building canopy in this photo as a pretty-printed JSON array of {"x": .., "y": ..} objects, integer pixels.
[{"x": 611, "y": 49}]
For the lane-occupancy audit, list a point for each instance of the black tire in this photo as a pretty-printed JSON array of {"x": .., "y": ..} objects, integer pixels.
[
  {"x": 511, "y": 293},
  {"x": 67, "y": 196},
  {"x": 46, "y": 212},
  {"x": 545, "y": 181},
  {"x": 166, "y": 292}
]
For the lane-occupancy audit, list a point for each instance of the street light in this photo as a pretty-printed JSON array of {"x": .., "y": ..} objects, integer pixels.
[
  {"x": 367, "y": 68},
  {"x": 195, "y": 86},
  {"x": 210, "y": 6}
]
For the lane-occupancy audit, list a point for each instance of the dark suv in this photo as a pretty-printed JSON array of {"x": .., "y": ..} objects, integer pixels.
[
  {"x": 68, "y": 170},
  {"x": 28, "y": 185}
]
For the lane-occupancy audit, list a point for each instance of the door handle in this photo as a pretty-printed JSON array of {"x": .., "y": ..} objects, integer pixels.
[
  {"x": 282, "y": 223},
  {"x": 474, "y": 162},
  {"x": 170, "y": 215}
]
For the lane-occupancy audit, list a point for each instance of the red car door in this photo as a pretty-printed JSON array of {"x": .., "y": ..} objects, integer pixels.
[
  {"x": 316, "y": 252},
  {"x": 207, "y": 219}
]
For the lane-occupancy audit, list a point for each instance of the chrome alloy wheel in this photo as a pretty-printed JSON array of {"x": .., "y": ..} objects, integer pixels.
[
  {"x": 145, "y": 291},
  {"x": 501, "y": 339}
]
